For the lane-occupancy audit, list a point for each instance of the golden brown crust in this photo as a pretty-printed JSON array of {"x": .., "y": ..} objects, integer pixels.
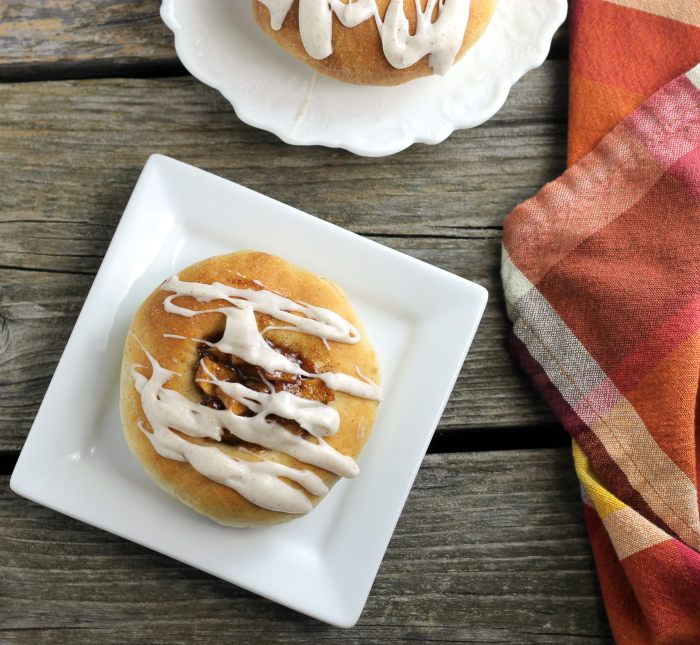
[
  {"x": 358, "y": 56},
  {"x": 151, "y": 322}
]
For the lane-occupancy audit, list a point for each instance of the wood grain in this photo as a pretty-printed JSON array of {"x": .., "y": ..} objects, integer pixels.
[
  {"x": 72, "y": 151},
  {"x": 50, "y": 39},
  {"x": 62, "y": 39},
  {"x": 491, "y": 548},
  {"x": 70, "y": 154}
]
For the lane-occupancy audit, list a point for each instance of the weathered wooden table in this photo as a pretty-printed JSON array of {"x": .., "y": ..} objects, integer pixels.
[{"x": 491, "y": 547}]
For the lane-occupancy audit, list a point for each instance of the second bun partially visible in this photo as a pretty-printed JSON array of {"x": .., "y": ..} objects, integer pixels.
[{"x": 358, "y": 55}]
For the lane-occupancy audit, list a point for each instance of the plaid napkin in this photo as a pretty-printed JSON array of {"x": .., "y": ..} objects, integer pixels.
[
  {"x": 601, "y": 272},
  {"x": 622, "y": 51}
]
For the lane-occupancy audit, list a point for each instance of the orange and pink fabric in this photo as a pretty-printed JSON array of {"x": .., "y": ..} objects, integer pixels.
[{"x": 601, "y": 271}]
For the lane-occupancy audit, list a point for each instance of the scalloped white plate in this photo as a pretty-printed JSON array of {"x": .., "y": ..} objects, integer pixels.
[
  {"x": 219, "y": 42},
  {"x": 76, "y": 460}
]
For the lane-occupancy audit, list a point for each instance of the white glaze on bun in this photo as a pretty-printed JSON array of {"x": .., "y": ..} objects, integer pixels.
[
  {"x": 439, "y": 40},
  {"x": 376, "y": 42},
  {"x": 289, "y": 470}
]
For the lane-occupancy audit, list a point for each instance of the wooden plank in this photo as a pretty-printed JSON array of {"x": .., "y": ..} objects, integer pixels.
[
  {"x": 37, "y": 313},
  {"x": 491, "y": 548},
  {"x": 70, "y": 153},
  {"x": 51, "y": 39}
]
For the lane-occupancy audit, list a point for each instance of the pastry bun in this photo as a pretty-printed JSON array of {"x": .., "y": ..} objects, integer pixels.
[
  {"x": 248, "y": 387},
  {"x": 361, "y": 53}
]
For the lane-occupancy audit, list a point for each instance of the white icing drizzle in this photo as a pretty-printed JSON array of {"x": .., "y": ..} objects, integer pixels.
[
  {"x": 318, "y": 321},
  {"x": 257, "y": 481},
  {"x": 316, "y": 418},
  {"x": 168, "y": 410},
  {"x": 440, "y": 40},
  {"x": 242, "y": 338},
  {"x": 278, "y": 12}
]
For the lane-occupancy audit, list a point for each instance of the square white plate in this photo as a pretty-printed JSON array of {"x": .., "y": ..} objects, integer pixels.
[{"x": 420, "y": 319}]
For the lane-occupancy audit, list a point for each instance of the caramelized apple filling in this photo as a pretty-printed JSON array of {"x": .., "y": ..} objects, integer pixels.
[{"x": 230, "y": 368}]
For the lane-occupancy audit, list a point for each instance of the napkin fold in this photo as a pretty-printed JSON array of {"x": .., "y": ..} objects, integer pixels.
[{"x": 601, "y": 271}]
